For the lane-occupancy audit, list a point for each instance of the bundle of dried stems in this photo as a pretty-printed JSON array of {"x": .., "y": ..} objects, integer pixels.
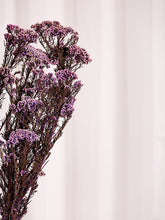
[{"x": 41, "y": 104}]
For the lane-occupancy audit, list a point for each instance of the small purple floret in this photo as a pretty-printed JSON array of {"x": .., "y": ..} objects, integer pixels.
[
  {"x": 29, "y": 104},
  {"x": 67, "y": 110},
  {"x": 21, "y": 134}
]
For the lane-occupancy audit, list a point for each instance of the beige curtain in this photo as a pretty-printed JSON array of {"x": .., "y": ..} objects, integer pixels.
[{"x": 110, "y": 162}]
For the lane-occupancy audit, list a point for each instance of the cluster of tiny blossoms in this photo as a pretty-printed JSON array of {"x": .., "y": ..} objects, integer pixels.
[
  {"x": 67, "y": 110},
  {"x": 35, "y": 57},
  {"x": 42, "y": 86},
  {"x": 6, "y": 77},
  {"x": 57, "y": 31},
  {"x": 27, "y": 104},
  {"x": 65, "y": 75},
  {"x": 19, "y": 36},
  {"x": 60, "y": 45},
  {"x": 79, "y": 55},
  {"x": 16, "y": 39},
  {"x": 21, "y": 134}
]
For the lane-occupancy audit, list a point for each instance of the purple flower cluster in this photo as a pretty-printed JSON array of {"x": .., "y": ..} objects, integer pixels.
[
  {"x": 19, "y": 36},
  {"x": 67, "y": 90},
  {"x": 13, "y": 108},
  {"x": 6, "y": 76},
  {"x": 26, "y": 105},
  {"x": 21, "y": 134},
  {"x": 79, "y": 54},
  {"x": 77, "y": 85},
  {"x": 48, "y": 79},
  {"x": 38, "y": 72},
  {"x": 35, "y": 57},
  {"x": 55, "y": 29},
  {"x": 65, "y": 75},
  {"x": 45, "y": 81},
  {"x": 67, "y": 110},
  {"x": 29, "y": 104},
  {"x": 60, "y": 45},
  {"x": 29, "y": 91},
  {"x": 4, "y": 71}
]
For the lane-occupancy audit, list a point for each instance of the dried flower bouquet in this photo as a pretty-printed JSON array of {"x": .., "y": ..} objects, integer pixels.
[{"x": 40, "y": 105}]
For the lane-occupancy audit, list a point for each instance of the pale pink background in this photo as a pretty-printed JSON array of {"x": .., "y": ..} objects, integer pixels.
[{"x": 110, "y": 163}]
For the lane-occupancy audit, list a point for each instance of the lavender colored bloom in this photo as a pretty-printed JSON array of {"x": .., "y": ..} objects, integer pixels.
[
  {"x": 79, "y": 54},
  {"x": 61, "y": 37},
  {"x": 67, "y": 110},
  {"x": 21, "y": 134},
  {"x": 28, "y": 104},
  {"x": 29, "y": 91},
  {"x": 4, "y": 71},
  {"x": 45, "y": 82},
  {"x": 18, "y": 36},
  {"x": 11, "y": 28},
  {"x": 67, "y": 90},
  {"x": 6, "y": 76},
  {"x": 30, "y": 136},
  {"x": 38, "y": 72},
  {"x": 77, "y": 85},
  {"x": 31, "y": 104},
  {"x": 13, "y": 108},
  {"x": 53, "y": 28},
  {"x": 65, "y": 75},
  {"x": 36, "y": 57},
  {"x": 10, "y": 40},
  {"x": 13, "y": 93},
  {"x": 9, "y": 80},
  {"x": 13, "y": 139},
  {"x": 21, "y": 105}
]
